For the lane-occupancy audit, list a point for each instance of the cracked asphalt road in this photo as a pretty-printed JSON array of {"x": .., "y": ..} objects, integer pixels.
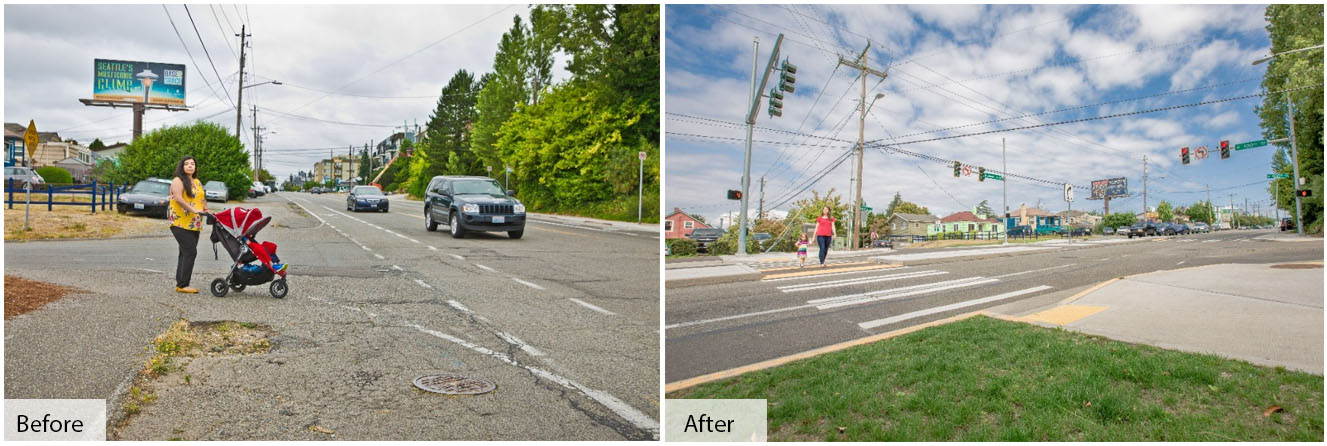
[{"x": 564, "y": 321}]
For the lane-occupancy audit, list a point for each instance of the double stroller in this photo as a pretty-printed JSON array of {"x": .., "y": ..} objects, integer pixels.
[{"x": 236, "y": 230}]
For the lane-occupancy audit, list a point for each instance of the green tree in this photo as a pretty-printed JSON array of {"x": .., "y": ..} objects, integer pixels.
[
  {"x": 908, "y": 207},
  {"x": 365, "y": 168},
  {"x": 984, "y": 209},
  {"x": 1165, "y": 211},
  {"x": 1120, "y": 219},
  {"x": 1292, "y": 27},
  {"x": 1200, "y": 212},
  {"x": 522, "y": 65},
  {"x": 221, "y": 156},
  {"x": 893, "y": 204},
  {"x": 807, "y": 210},
  {"x": 449, "y": 129},
  {"x": 264, "y": 176},
  {"x": 97, "y": 145}
]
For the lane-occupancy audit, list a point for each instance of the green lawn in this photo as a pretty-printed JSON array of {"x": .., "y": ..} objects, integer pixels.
[{"x": 984, "y": 379}]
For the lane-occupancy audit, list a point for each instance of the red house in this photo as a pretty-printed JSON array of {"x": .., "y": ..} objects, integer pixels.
[{"x": 679, "y": 225}]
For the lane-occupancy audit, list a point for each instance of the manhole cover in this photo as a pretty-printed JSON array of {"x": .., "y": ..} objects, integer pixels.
[
  {"x": 1297, "y": 266},
  {"x": 453, "y": 385}
]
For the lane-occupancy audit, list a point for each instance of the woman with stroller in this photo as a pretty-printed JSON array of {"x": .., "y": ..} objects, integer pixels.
[{"x": 187, "y": 204}]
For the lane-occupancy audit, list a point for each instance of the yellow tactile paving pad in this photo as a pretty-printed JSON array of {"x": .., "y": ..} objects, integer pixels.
[
  {"x": 1064, "y": 314},
  {"x": 816, "y": 270}
]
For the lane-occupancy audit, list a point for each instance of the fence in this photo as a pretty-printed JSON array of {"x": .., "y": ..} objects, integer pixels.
[{"x": 109, "y": 194}]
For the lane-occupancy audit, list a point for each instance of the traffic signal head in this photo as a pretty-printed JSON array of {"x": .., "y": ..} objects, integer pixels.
[
  {"x": 957, "y": 168},
  {"x": 1304, "y": 192},
  {"x": 775, "y": 103},
  {"x": 734, "y": 194},
  {"x": 787, "y": 76},
  {"x": 1184, "y": 155},
  {"x": 1225, "y": 149},
  {"x": 981, "y": 174}
]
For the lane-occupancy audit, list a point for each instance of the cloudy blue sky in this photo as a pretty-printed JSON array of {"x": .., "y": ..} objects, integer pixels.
[
  {"x": 952, "y": 66},
  {"x": 352, "y": 73}
]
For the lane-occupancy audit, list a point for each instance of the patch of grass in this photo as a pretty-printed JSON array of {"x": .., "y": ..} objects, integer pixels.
[{"x": 984, "y": 379}]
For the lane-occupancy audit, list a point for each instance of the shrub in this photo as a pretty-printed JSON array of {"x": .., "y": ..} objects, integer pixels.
[
  {"x": 55, "y": 175},
  {"x": 727, "y": 244},
  {"x": 682, "y": 246}
]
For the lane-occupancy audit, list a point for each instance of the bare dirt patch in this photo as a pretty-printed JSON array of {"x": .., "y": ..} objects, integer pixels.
[
  {"x": 24, "y": 296},
  {"x": 75, "y": 222}
]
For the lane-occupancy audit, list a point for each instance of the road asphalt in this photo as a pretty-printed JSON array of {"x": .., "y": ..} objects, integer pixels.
[
  {"x": 564, "y": 321},
  {"x": 723, "y": 326}
]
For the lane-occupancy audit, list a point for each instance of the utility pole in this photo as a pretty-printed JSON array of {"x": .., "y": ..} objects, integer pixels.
[
  {"x": 1004, "y": 200},
  {"x": 239, "y": 100},
  {"x": 1232, "y": 211},
  {"x": 861, "y": 65},
  {"x": 1210, "y": 212},
  {"x": 257, "y": 156},
  {"x": 1144, "y": 187},
  {"x": 760, "y": 212},
  {"x": 1294, "y": 153}
]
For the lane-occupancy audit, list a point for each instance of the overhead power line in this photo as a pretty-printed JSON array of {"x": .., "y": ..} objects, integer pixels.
[
  {"x": 191, "y": 55},
  {"x": 208, "y": 54}
]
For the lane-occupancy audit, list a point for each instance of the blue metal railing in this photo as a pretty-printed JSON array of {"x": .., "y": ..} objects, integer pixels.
[{"x": 109, "y": 194}]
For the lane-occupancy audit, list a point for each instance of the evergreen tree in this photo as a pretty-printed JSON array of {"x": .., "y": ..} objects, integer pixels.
[{"x": 449, "y": 128}]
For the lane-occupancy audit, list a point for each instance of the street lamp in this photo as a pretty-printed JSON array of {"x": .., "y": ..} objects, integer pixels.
[
  {"x": 239, "y": 120},
  {"x": 1294, "y": 150}
]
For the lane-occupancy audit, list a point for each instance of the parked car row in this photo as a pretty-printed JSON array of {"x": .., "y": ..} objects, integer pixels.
[{"x": 1143, "y": 229}]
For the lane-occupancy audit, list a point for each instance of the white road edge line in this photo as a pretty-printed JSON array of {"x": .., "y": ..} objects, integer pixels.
[
  {"x": 591, "y": 306},
  {"x": 431, "y": 248},
  {"x": 927, "y": 312},
  {"x": 1181, "y": 262},
  {"x": 531, "y": 285},
  {"x": 457, "y": 257},
  {"x": 421, "y": 283},
  {"x": 512, "y": 339},
  {"x": 379, "y": 256},
  {"x": 485, "y": 268}
]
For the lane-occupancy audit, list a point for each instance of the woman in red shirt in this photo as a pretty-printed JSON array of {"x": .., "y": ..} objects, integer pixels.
[{"x": 825, "y": 233}]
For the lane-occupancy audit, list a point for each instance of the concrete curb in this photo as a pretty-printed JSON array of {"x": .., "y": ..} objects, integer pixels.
[{"x": 744, "y": 274}]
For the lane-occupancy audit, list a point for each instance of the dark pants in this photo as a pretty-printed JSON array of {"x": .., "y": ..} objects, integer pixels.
[
  {"x": 188, "y": 241},
  {"x": 823, "y": 241}
]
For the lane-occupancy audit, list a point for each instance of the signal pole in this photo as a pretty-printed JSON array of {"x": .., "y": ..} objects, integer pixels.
[
  {"x": 1004, "y": 200},
  {"x": 756, "y": 93},
  {"x": 1210, "y": 213},
  {"x": 760, "y": 211},
  {"x": 860, "y": 64}
]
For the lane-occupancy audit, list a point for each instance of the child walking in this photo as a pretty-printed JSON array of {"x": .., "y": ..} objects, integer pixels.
[{"x": 802, "y": 242}]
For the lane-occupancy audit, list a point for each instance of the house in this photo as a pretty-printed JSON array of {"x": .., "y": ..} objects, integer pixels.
[
  {"x": 910, "y": 224},
  {"x": 1033, "y": 217},
  {"x": 49, "y": 153},
  {"x": 14, "y": 153},
  {"x": 966, "y": 222},
  {"x": 679, "y": 224},
  {"x": 1079, "y": 219},
  {"x": 77, "y": 168},
  {"x": 111, "y": 152}
]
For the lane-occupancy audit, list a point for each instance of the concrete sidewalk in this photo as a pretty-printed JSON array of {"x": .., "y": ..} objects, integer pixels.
[
  {"x": 1269, "y": 314},
  {"x": 1289, "y": 236}
]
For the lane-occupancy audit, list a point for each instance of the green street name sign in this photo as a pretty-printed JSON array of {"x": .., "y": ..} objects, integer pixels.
[
  {"x": 994, "y": 176},
  {"x": 867, "y": 208},
  {"x": 1278, "y": 175},
  {"x": 1250, "y": 144}
]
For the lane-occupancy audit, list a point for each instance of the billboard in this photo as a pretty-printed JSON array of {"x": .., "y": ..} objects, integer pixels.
[
  {"x": 1112, "y": 188},
  {"x": 141, "y": 82}
]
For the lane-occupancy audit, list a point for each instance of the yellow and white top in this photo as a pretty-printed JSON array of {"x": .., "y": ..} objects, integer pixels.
[{"x": 184, "y": 219}]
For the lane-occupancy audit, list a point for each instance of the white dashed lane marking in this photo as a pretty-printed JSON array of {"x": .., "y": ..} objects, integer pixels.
[
  {"x": 590, "y": 306},
  {"x": 531, "y": 285},
  {"x": 485, "y": 268}
]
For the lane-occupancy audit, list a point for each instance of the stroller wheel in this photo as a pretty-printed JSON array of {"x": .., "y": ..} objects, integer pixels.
[
  {"x": 237, "y": 287},
  {"x": 279, "y": 289},
  {"x": 219, "y": 288}
]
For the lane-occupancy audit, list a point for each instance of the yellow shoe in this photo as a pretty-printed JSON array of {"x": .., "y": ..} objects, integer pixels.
[{"x": 189, "y": 290}]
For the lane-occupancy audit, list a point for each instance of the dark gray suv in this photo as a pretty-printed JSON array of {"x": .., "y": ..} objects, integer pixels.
[{"x": 467, "y": 204}]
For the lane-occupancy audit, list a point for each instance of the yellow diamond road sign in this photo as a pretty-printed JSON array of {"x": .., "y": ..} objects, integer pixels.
[{"x": 30, "y": 138}]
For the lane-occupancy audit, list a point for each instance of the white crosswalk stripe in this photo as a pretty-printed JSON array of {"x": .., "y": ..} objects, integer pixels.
[
  {"x": 874, "y": 296},
  {"x": 950, "y": 307},
  {"x": 858, "y": 281}
]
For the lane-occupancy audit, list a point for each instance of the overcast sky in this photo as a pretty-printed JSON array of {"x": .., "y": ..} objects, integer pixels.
[
  {"x": 957, "y": 65},
  {"x": 406, "y": 53}
]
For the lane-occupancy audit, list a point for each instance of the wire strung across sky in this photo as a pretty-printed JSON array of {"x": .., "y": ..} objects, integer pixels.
[{"x": 205, "y": 52}]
